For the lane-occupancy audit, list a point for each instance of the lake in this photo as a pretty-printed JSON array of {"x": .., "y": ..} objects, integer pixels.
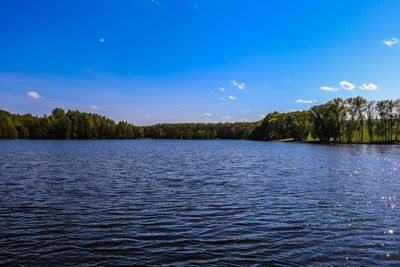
[{"x": 186, "y": 203}]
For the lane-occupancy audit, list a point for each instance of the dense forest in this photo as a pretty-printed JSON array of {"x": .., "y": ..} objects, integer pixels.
[
  {"x": 354, "y": 120},
  {"x": 81, "y": 125}
]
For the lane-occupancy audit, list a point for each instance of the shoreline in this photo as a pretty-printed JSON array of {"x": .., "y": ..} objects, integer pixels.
[
  {"x": 338, "y": 143},
  {"x": 166, "y": 139}
]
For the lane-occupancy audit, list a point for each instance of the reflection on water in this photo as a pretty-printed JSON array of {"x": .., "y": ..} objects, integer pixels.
[{"x": 198, "y": 203}]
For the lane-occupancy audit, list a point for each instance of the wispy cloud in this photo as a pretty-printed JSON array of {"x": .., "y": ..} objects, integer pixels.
[
  {"x": 207, "y": 114},
  {"x": 101, "y": 40},
  {"x": 33, "y": 94},
  {"x": 231, "y": 97},
  {"x": 369, "y": 87},
  {"x": 301, "y": 101},
  {"x": 240, "y": 86},
  {"x": 246, "y": 111},
  {"x": 329, "y": 88},
  {"x": 244, "y": 120},
  {"x": 221, "y": 98},
  {"x": 347, "y": 85},
  {"x": 94, "y": 107},
  {"x": 226, "y": 117},
  {"x": 222, "y": 89},
  {"x": 391, "y": 42}
]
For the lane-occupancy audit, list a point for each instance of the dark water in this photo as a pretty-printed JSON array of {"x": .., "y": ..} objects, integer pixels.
[{"x": 207, "y": 203}]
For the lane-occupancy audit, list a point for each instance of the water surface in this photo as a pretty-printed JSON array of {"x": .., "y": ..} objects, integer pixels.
[{"x": 202, "y": 203}]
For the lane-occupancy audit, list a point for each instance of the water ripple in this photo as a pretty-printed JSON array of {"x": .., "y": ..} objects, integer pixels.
[{"x": 198, "y": 203}]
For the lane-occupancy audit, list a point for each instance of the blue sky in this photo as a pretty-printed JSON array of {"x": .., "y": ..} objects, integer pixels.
[{"x": 166, "y": 60}]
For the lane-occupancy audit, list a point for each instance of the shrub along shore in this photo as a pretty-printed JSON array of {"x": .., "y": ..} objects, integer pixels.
[{"x": 353, "y": 120}]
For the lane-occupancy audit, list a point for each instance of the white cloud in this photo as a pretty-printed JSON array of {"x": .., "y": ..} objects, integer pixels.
[
  {"x": 246, "y": 111},
  {"x": 231, "y": 97},
  {"x": 262, "y": 116},
  {"x": 305, "y": 101},
  {"x": 33, "y": 94},
  {"x": 369, "y": 87},
  {"x": 222, "y": 89},
  {"x": 244, "y": 120},
  {"x": 94, "y": 107},
  {"x": 240, "y": 86},
  {"x": 329, "y": 88},
  {"x": 390, "y": 42},
  {"x": 101, "y": 40},
  {"x": 207, "y": 114},
  {"x": 226, "y": 117},
  {"x": 347, "y": 86}
]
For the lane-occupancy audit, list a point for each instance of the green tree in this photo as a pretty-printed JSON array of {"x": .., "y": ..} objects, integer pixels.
[
  {"x": 371, "y": 117},
  {"x": 7, "y": 128}
]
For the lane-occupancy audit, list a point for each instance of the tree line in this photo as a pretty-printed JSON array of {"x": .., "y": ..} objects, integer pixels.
[
  {"x": 80, "y": 125},
  {"x": 353, "y": 120}
]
